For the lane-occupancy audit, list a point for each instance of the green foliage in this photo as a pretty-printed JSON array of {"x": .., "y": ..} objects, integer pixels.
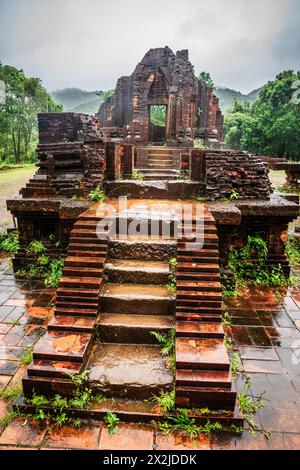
[
  {"x": 206, "y": 78},
  {"x": 166, "y": 400},
  {"x": 271, "y": 125},
  {"x": 158, "y": 114},
  {"x": 10, "y": 394},
  {"x": 97, "y": 195},
  {"x": 50, "y": 270},
  {"x": 167, "y": 342},
  {"x": 172, "y": 283},
  {"x": 8, "y": 418},
  {"x": 249, "y": 406},
  {"x": 26, "y": 357},
  {"x": 184, "y": 422},
  {"x": 228, "y": 342},
  {"x": 293, "y": 251},
  {"x": 25, "y": 97},
  {"x": 137, "y": 175},
  {"x": 248, "y": 264},
  {"x": 111, "y": 420},
  {"x": 173, "y": 263},
  {"x": 54, "y": 272},
  {"x": 235, "y": 363},
  {"x": 36, "y": 247},
  {"x": 9, "y": 242},
  {"x": 226, "y": 319},
  {"x": 234, "y": 195}
]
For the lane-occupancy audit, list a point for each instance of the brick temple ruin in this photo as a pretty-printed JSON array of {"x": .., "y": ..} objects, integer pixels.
[
  {"x": 167, "y": 80},
  {"x": 113, "y": 292}
]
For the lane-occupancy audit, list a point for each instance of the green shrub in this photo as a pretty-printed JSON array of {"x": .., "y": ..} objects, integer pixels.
[
  {"x": 97, "y": 195},
  {"x": 9, "y": 242}
]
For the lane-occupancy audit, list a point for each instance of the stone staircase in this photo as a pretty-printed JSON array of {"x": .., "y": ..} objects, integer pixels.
[
  {"x": 114, "y": 293},
  {"x": 203, "y": 376},
  {"x": 67, "y": 343},
  {"x": 127, "y": 363},
  {"x": 160, "y": 165}
]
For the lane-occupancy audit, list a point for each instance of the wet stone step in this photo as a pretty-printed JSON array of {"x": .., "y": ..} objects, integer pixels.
[
  {"x": 197, "y": 354},
  {"x": 192, "y": 276},
  {"x": 149, "y": 249},
  {"x": 203, "y": 378},
  {"x": 197, "y": 294},
  {"x": 132, "y": 298},
  {"x": 63, "y": 346},
  {"x": 135, "y": 271},
  {"x": 77, "y": 309},
  {"x": 132, "y": 328},
  {"x": 210, "y": 397},
  {"x": 128, "y": 370},
  {"x": 70, "y": 271},
  {"x": 80, "y": 293},
  {"x": 197, "y": 267},
  {"x": 84, "y": 261},
  {"x": 91, "y": 282},
  {"x": 184, "y": 315},
  {"x": 198, "y": 329},
  {"x": 83, "y": 324},
  {"x": 44, "y": 368},
  {"x": 197, "y": 286}
]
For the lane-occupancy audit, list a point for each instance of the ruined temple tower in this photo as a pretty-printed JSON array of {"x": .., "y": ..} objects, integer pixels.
[{"x": 166, "y": 80}]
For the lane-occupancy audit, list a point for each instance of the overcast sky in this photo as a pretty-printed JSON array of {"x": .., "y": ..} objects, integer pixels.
[{"x": 90, "y": 43}]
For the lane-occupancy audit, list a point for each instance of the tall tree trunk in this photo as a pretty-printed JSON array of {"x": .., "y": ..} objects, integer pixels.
[{"x": 15, "y": 145}]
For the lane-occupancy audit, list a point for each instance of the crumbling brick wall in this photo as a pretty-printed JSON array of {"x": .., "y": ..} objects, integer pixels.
[{"x": 232, "y": 171}]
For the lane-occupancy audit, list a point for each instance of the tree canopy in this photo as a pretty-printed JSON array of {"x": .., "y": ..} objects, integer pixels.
[
  {"x": 271, "y": 126},
  {"x": 24, "y": 98}
]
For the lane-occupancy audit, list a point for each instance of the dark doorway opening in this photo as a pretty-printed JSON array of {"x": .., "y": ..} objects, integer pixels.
[{"x": 157, "y": 123}]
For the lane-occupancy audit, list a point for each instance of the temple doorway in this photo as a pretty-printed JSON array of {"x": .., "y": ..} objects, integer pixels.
[{"x": 157, "y": 123}]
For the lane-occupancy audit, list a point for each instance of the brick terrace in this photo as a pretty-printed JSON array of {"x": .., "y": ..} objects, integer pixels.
[{"x": 265, "y": 332}]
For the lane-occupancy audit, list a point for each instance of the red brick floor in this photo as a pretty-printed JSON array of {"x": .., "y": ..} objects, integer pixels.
[{"x": 265, "y": 334}]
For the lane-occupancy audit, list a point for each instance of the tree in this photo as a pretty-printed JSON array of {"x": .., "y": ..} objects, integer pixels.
[
  {"x": 25, "y": 97},
  {"x": 206, "y": 78},
  {"x": 271, "y": 125}
]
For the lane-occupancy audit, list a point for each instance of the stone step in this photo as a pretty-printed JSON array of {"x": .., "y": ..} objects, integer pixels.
[
  {"x": 70, "y": 271},
  {"x": 44, "y": 368},
  {"x": 210, "y": 397},
  {"x": 203, "y": 378},
  {"x": 72, "y": 322},
  {"x": 197, "y": 309},
  {"x": 128, "y": 370},
  {"x": 132, "y": 298},
  {"x": 136, "y": 271},
  {"x": 63, "y": 346},
  {"x": 74, "y": 282},
  {"x": 135, "y": 328},
  {"x": 209, "y": 305},
  {"x": 81, "y": 261},
  {"x": 158, "y": 249},
  {"x": 183, "y": 276},
  {"x": 197, "y": 286},
  {"x": 90, "y": 224},
  {"x": 159, "y": 176},
  {"x": 86, "y": 309},
  {"x": 89, "y": 250},
  {"x": 71, "y": 293},
  {"x": 80, "y": 236},
  {"x": 201, "y": 354},
  {"x": 198, "y": 295},
  {"x": 213, "y": 315},
  {"x": 197, "y": 268},
  {"x": 198, "y": 329}
]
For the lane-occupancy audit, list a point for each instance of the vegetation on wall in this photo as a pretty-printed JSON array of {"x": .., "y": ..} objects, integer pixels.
[
  {"x": 24, "y": 98},
  {"x": 271, "y": 125},
  {"x": 248, "y": 265}
]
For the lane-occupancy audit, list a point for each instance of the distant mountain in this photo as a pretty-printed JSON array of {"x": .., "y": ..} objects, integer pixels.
[
  {"x": 80, "y": 101},
  {"x": 227, "y": 96}
]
